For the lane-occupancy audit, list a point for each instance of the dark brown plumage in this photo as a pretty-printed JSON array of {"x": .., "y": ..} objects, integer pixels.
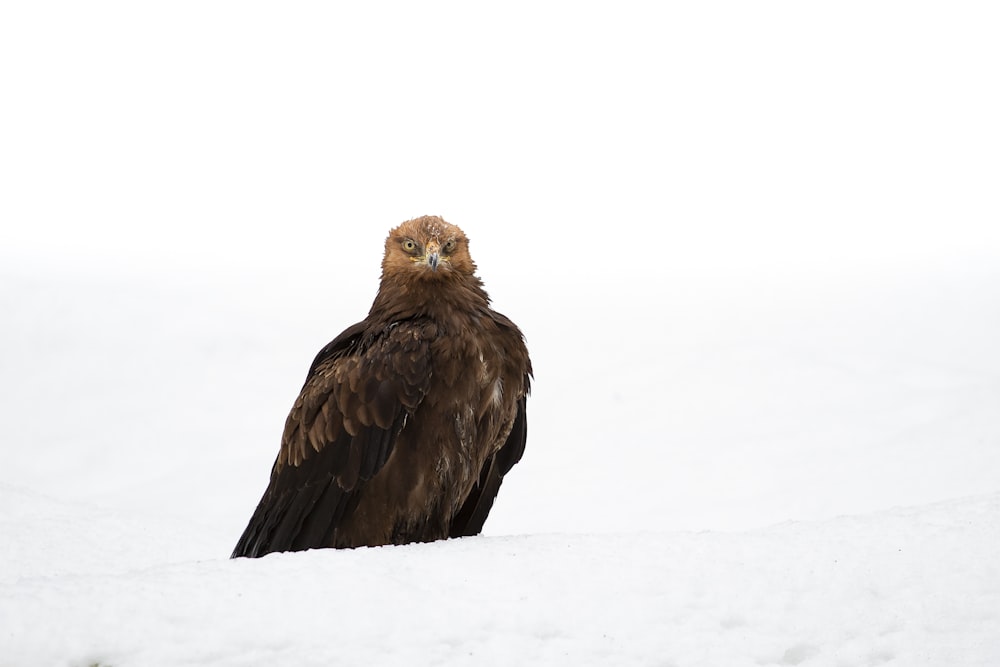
[{"x": 408, "y": 420}]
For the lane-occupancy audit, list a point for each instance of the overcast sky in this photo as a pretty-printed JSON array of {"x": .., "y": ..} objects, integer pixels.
[{"x": 193, "y": 135}]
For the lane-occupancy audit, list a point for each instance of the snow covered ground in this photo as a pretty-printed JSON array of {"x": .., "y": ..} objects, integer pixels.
[
  {"x": 755, "y": 251},
  {"x": 905, "y": 587}
]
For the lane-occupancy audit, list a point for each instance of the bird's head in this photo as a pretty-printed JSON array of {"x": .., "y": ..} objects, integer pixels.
[{"x": 427, "y": 248}]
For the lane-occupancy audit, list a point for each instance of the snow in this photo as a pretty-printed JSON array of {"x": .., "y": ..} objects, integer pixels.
[
  {"x": 907, "y": 586},
  {"x": 754, "y": 250}
]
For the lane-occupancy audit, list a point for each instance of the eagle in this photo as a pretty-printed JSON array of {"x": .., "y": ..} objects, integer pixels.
[{"x": 408, "y": 420}]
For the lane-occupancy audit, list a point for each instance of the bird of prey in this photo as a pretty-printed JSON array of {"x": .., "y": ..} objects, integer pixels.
[{"x": 408, "y": 420}]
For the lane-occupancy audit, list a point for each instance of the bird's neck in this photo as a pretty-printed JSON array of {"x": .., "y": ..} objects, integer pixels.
[{"x": 401, "y": 299}]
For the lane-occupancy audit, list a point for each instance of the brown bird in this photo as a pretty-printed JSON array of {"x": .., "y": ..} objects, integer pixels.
[{"x": 408, "y": 420}]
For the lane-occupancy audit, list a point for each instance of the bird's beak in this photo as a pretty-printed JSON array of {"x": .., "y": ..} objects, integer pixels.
[{"x": 433, "y": 255}]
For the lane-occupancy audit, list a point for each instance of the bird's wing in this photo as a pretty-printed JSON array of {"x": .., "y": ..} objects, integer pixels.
[
  {"x": 342, "y": 428},
  {"x": 470, "y": 518}
]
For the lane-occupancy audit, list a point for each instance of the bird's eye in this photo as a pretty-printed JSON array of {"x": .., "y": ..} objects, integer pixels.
[
  {"x": 409, "y": 245},
  {"x": 449, "y": 247}
]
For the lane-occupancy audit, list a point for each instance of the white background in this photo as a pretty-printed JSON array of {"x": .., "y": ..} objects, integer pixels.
[{"x": 754, "y": 250}]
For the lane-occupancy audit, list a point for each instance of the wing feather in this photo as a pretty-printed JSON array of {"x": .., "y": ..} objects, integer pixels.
[
  {"x": 472, "y": 516},
  {"x": 338, "y": 435}
]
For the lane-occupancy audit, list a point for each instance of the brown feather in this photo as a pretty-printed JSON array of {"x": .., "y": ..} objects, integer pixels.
[{"x": 407, "y": 421}]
